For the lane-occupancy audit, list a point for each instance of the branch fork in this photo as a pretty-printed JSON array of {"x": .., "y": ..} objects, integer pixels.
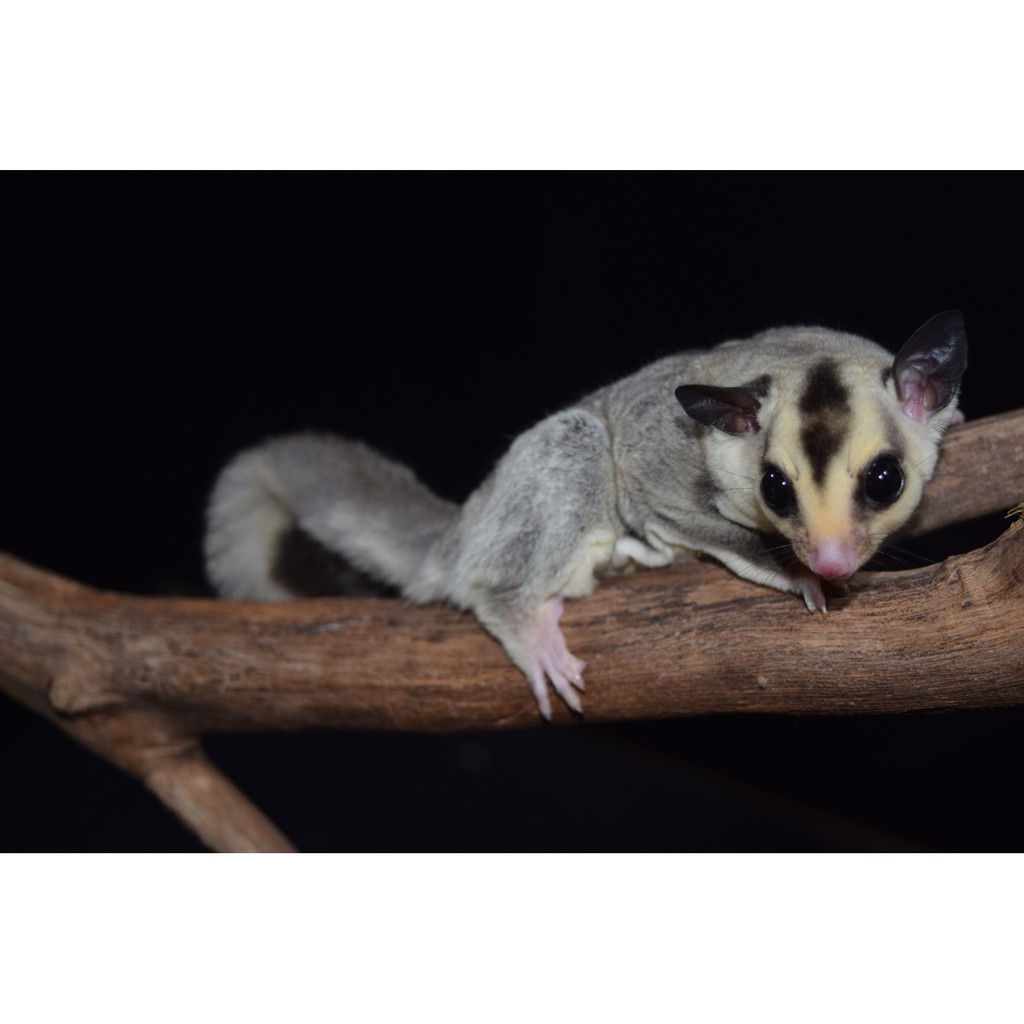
[{"x": 140, "y": 680}]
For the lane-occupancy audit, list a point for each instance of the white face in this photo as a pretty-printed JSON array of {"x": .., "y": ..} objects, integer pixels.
[
  {"x": 838, "y": 505},
  {"x": 825, "y": 438},
  {"x": 835, "y": 501}
]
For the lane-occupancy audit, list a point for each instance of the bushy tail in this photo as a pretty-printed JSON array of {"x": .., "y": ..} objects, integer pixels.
[{"x": 357, "y": 504}]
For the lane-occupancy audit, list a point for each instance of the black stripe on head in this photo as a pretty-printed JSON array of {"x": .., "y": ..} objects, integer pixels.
[{"x": 825, "y": 413}]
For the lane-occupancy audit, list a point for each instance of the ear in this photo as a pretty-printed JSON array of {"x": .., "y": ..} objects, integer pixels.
[
  {"x": 929, "y": 366},
  {"x": 733, "y": 410}
]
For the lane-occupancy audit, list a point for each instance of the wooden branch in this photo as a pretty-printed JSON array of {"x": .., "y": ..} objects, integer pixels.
[
  {"x": 138, "y": 680},
  {"x": 981, "y": 471}
]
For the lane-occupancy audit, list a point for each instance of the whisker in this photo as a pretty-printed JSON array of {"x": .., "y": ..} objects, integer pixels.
[{"x": 900, "y": 558}]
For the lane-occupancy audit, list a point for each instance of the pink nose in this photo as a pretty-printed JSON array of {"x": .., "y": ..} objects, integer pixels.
[{"x": 834, "y": 560}]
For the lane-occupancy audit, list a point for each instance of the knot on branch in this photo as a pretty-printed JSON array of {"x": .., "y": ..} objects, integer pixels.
[{"x": 78, "y": 688}]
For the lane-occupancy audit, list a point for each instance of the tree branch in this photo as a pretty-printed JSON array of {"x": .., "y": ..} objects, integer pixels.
[{"x": 138, "y": 680}]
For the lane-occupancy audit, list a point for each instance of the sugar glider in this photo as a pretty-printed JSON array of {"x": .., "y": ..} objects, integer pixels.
[{"x": 789, "y": 457}]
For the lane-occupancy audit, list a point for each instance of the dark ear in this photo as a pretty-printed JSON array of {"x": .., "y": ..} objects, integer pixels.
[
  {"x": 733, "y": 410},
  {"x": 929, "y": 366}
]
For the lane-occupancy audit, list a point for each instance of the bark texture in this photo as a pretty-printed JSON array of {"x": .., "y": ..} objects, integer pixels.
[{"x": 139, "y": 680}]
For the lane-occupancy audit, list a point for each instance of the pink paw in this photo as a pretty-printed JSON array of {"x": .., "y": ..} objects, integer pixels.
[
  {"x": 553, "y": 661},
  {"x": 808, "y": 586}
]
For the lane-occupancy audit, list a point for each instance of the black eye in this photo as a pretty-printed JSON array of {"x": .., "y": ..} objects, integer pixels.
[
  {"x": 777, "y": 491},
  {"x": 883, "y": 481}
]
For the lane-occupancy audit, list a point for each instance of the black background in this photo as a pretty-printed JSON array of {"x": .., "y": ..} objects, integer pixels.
[{"x": 154, "y": 324}]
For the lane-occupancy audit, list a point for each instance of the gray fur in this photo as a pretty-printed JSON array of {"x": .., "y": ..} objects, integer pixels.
[{"x": 624, "y": 478}]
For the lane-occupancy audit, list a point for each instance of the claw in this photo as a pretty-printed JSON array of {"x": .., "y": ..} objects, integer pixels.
[
  {"x": 539, "y": 688},
  {"x": 554, "y": 662},
  {"x": 809, "y": 587},
  {"x": 563, "y": 686},
  {"x": 814, "y": 596}
]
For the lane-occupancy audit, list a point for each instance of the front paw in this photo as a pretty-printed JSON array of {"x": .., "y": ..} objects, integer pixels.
[
  {"x": 807, "y": 585},
  {"x": 552, "y": 661}
]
